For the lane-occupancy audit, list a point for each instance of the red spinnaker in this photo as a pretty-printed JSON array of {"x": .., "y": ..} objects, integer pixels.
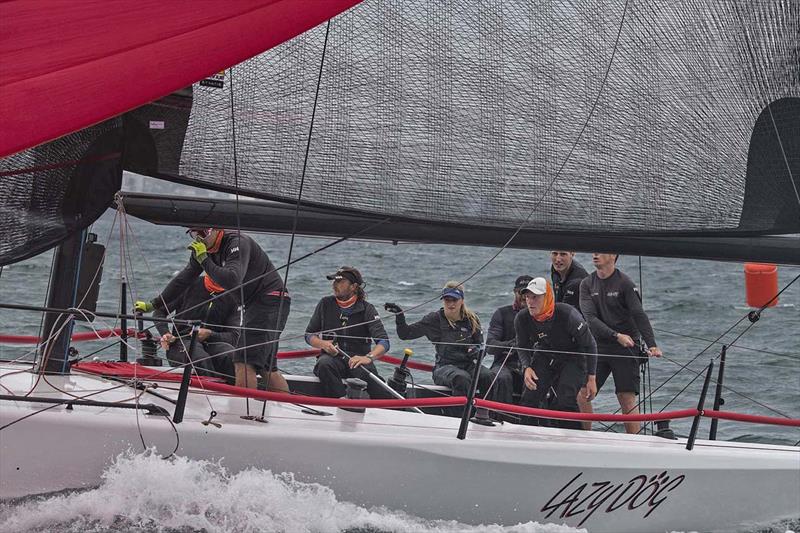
[{"x": 65, "y": 65}]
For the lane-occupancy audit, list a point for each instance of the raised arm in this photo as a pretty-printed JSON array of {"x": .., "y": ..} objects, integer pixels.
[
  {"x": 177, "y": 285},
  {"x": 427, "y": 327},
  {"x": 237, "y": 257}
]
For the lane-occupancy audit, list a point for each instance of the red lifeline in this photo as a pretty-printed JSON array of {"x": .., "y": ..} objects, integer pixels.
[
  {"x": 761, "y": 284},
  {"x": 83, "y": 62}
]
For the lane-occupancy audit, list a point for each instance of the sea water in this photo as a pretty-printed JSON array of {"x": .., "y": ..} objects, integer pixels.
[{"x": 689, "y": 302}]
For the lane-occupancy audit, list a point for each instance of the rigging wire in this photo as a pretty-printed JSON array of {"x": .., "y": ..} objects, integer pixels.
[
  {"x": 739, "y": 346},
  {"x": 242, "y": 308},
  {"x": 715, "y": 341},
  {"x": 273, "y": 353}
]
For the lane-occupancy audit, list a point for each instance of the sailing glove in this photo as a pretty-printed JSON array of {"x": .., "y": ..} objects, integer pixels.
[
  {"x": 199, "y": 251},
  {"x": 140, "y": 306},
  {"x": 392, "y": 308}
]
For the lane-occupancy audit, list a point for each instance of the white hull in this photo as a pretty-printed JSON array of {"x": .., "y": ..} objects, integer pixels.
[{"x": 505, "y": 474}]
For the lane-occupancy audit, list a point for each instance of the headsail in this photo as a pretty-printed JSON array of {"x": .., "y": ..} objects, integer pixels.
[
  {"x": 467, "y": 112},
  {"x": 69, "y": 65}
]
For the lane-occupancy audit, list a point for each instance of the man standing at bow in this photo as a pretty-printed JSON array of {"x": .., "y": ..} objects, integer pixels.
[
  {"x": 566, "y": 275},
  {"x": 556, "y": 351},
  {"x": 611, "y": 304},
  {"x": 238, "y": 264}
]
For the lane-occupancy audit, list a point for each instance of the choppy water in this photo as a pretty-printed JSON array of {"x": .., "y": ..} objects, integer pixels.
[{"x": 683, "y": 298}]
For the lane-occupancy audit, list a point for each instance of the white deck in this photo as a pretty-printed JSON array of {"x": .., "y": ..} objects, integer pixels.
[{"x": 505, "y": 474}]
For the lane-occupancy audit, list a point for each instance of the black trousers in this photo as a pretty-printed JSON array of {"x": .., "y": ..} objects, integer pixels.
[
  {"x": 332, "y": 369},
  {"x": 557, "y": 388},
  {"x": 213, "y": 359},
  {"x": 507, "y": 381},
  {"x": 259, "y": 346}
]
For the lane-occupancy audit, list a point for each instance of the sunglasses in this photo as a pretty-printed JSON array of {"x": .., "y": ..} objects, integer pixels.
[{"x": 197, "y": 233}]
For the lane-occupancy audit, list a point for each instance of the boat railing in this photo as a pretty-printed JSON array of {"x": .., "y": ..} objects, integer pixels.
[{"x": 216, "y": 385}]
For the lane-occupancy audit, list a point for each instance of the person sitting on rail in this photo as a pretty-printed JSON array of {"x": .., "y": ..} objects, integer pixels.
[
  {"x": 213, "y": 351},
  {"x": 556, "y": 350},
  {"x": 456, "y": 334},
  {"x": 344, "y": 326},
  {"x": 237, "y": 263},
  {"x": 500, "y": 342}
]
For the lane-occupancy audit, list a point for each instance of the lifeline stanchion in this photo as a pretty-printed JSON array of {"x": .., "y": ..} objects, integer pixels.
[
  {"x": 123, "y": 322},
  {"x": 700, "y": 406},
  {"x": 477, "y": 356},
  {"x": 718, "y": 401},
  {"x": 180, "y": 405}
]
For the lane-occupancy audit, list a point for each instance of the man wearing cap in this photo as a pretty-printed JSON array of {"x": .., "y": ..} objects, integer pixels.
[
  {"x": 556, "y": 351},
  {"x": 566, "y": 275},
  {"x": 611, "y": 304},
  {"x": 347, "y": 322},
  {"x": 238, "y": 264},
  {"x": 500, "y": 342},
  {"x": 455, "y": 332}
]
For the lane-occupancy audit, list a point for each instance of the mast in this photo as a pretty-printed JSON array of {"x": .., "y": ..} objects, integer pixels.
[{"x": 74, "y": 282}]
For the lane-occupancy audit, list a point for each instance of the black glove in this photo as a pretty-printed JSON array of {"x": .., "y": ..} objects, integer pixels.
[{"x": 393, "y": 308}]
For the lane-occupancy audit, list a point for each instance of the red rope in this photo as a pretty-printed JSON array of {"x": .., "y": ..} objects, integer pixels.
[
  {"x": 410, "y": 364},
  {"x": 565, "y": 415},
  {"x": 442, "y": 401},
  {"x": 128, "y": 370},
  {"x": 297, "y": 354},
  {"x": 755, "y": 419},
  {"x": 77, "y": 337}
]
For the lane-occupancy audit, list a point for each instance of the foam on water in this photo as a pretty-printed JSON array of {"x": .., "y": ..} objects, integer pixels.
[{"x": 142, "y": 492}]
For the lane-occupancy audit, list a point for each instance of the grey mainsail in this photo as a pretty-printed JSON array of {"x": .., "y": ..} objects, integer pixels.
[{"x": 465, "y": 112}]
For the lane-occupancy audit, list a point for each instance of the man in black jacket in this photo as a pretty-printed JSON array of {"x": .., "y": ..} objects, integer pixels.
[
  {"x": 566, "y": 275},
  {"x": 611, "y": 304},
  {"x": 500, "y": 342},
  {"x": 216, "y": 338},
  {"x": 238, "y": 264},
  {"x": 354, "y": 324},
  {"x": 556, "y": 351}
]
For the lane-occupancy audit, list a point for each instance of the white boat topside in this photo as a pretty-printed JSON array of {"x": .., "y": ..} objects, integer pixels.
[{"x": 514, "y": 471}]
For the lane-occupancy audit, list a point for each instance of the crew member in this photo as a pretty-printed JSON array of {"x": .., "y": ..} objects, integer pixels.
[
  {"x": 556, "y": 351},
  {"x": 216, "y": 338},
  {"x": 347, "y": 322},
  {"x": 613, "y": 308},
  {"x": 566, "y": 275},
  {"x": 456, "y": 334},
  {"x": 237, "y": 263},
  {"x": 500, "y": 342}
]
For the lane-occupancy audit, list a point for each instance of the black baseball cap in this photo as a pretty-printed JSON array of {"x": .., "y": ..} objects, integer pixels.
[
  {"x": 522, "y": 281},
  {"x": 349, "y": 273}
]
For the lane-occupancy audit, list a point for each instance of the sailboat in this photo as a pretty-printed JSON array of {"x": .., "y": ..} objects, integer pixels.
[{"x": 646, "y": 129}]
